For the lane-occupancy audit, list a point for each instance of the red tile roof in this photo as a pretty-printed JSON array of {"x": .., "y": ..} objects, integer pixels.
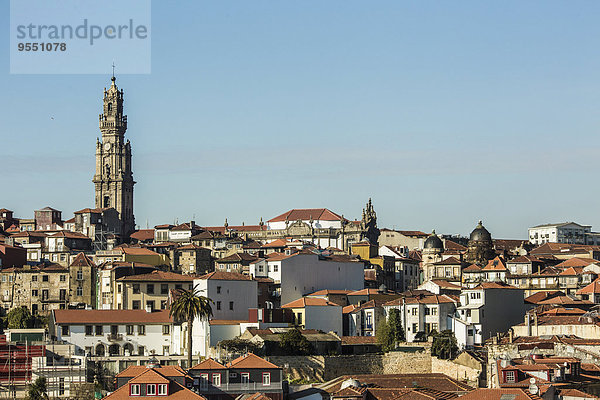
[
  {"x": 309, "y": 301},
  {"x": 157, "y": 276},
  {"x": 209, "y": 363},
  {"x": 225, "y": 276},
  {"x": 500, "y": 394},
  {"x": 577, "y": 262},
  {"x": 326, "y": 292},
  {"x": 152, "y": 375},
  {"x": 81, "y": 260},
  {"x": 143, "y": 234},
  {"x": 317, "y": 214},
  {"x": 592, "y": 288},
  {"x": 76, "y": 317},
  {"x": 251, "y": 361}
]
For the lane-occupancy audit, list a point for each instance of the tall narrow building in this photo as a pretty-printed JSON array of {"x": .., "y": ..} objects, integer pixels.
[{"x": 113, "y": 180}]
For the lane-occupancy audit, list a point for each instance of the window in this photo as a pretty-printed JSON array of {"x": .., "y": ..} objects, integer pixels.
[
  {"x": 34, "y": 293},
  {"x": 164, "y": 288},
  {"x": 150, "y": 305},
  {"x": 434, "y": 311},
  {"x": 275, "y": 268},
  {"x": 141, "y": 329},
  {"x": 216, "y": 380},
  {"x": 61, "y": 386},
  {"x": 245, "y": 378},
  {"x": 79, "y": 291},
  {"x": 166, "y": 350},
  {"x": 218, "y": 289},
  {"x": 114, "y": 329},
  {"x": 218, "y": 305},
  {"x": 150, "y": 389},
  {"x": 163, "y": 304},
  {"x": 135, "y": 305},
  {"x": 204, "y": 381},
  {"x": 65, "y": 330},
  {"x": 33, "y": 278},
  {"x": 136, "y": 288},
  {"x": 129, "y": 329},
  {"x": 119, "y": 288},
  {"x": 231, "y": 305},
  {"x": 162, "y": 389},
  {"x": 44, "y": 278},
  {"x": 89, "y": 331},
  {"x": 150, "y": 288},
  {"x": 134, "y": 390},
  {"x": 510, "y": 376},
  {"x": 99, "y": 330},
  {"x": 414, "y": 311},
  {"x": 79, "y": 275},
  {"x": 266, "y": 378},
  {"x": 166, "y": 329},
  {"x": 427, "y": 310},
  {"x": 63, "y": 278},
  {"x": 178, "y": 286},
  {"x": 415, "y": 328},
  {"x": 141, "y": 350}
]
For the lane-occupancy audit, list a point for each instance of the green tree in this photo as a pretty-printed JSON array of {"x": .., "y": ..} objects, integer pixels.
[
  {"x": 19, "y": 318},
  {"x": 294, "y": 343},
  {"x": 187, "y": 306},
  {"x": 384, "y": 336},
  {"x": 37, "y": 390},
  {"x": 395, "y": 323},
  {"x": 444, "y": 345},
  {"x": 390, "y": 333}
]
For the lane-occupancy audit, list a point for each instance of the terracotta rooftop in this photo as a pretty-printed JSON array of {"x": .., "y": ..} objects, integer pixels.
[
  {"x": 152, "y": 375},
  {"x": 157, "y": 276},
  {"x": 309, "y": 301},
  {"x": 500, "y": 394},
  {"x": 225, "y": 276},
  {"x": 326, "y": 292},
  {"x": 592, "y": 288},
  {"x": 251, "y": 361},
  {"x": 143, "y": 235},
  {"x": 209, "y": 363},
  {"x": 81, "y": 260},
  {"x": 435, "y": 381},
  {"x": 305, "y": 214}
]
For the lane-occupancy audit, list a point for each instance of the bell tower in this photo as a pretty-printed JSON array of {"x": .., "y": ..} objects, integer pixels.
[{"x": 113, "y": 180}]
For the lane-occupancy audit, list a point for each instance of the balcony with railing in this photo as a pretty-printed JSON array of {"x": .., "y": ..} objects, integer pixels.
[{"x": 241, "y": 387}]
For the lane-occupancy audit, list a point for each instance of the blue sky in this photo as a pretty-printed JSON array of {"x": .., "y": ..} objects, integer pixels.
[{"x": 443, "y": 112}]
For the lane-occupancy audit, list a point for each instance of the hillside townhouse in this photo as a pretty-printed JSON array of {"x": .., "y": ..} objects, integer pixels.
[
  {"x": 364, "y": 319},
  {"x": 449, "y": 269},
  {"x": 33, "y": 241},
  {"x": 590, "y": 292},
  {"x": 567, "y": 232},
  {"x": 97, "y": 224},
  {"x": 129, "y": 334},
  {"x": 61, "y": 245},
  {"x": 242, "y": 376},
  {"x": 423, "y": 313},
  {"x": 495, "y": 271},
  {"x": 305, "y": 272},
  {"x": 108, "y": 273},
  {"x": 237, "y": 262},
  {"x": 407, "y": 271},
  {"x": 148, "y": 291},
  {"x": 315, "y": 313},
  {"x": 168, "y": 382},
  {"x": 192, "y": 259},
  {"x": 486, "y": 310},
  {"x": 586, "y": 326},
  {"x": 232, "y": 296}
]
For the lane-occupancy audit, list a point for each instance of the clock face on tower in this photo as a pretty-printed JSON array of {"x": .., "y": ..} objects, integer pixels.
[{"x": 107, "y": 146}]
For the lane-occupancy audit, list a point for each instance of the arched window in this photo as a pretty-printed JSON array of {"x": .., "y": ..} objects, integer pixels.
[
  {"x": 109, "y": 107},
  {"x": 100, "y": 350},
  {"x": 114, "y": 350}
]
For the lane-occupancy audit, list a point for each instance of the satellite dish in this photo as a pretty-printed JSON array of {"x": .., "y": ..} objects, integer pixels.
[
  {"x": 533, "y": 389},
  {"x": 532, "y": 381}
]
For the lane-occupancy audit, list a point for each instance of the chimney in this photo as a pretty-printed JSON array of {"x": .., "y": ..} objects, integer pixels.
[{"x": 510, "y": 336}]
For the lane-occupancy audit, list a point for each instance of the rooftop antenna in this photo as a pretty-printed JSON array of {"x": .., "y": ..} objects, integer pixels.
[{"x": 113, "y": 67}]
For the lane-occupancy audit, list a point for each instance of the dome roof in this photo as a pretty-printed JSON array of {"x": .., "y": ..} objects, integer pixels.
[
  {"x": 350, "y": 382},
  {"x": 433, "y": 242},
  {"x": 480, "y": 234}
]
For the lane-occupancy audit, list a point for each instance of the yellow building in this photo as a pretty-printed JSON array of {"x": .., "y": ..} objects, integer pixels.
[{"x": 132, "y": 255}]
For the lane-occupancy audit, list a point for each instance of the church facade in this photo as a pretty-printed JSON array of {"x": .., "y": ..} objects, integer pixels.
[{"x": 113, "y": 180}]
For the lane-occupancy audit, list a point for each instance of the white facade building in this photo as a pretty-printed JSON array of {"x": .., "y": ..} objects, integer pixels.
[
  {"x": 105, "y": 333},
  {"x": 305, "y": 272},
  {"x": 567, "y": 232},
  {"x": 232, "y": 294}
]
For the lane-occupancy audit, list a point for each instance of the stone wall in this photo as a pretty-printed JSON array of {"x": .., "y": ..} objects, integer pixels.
[{"x": 324, "y": 368}]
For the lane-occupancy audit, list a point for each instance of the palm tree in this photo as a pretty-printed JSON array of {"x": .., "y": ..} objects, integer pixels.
[
  {"x": 37, "y": 390},
  {"x": 187, "y": 306}
]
